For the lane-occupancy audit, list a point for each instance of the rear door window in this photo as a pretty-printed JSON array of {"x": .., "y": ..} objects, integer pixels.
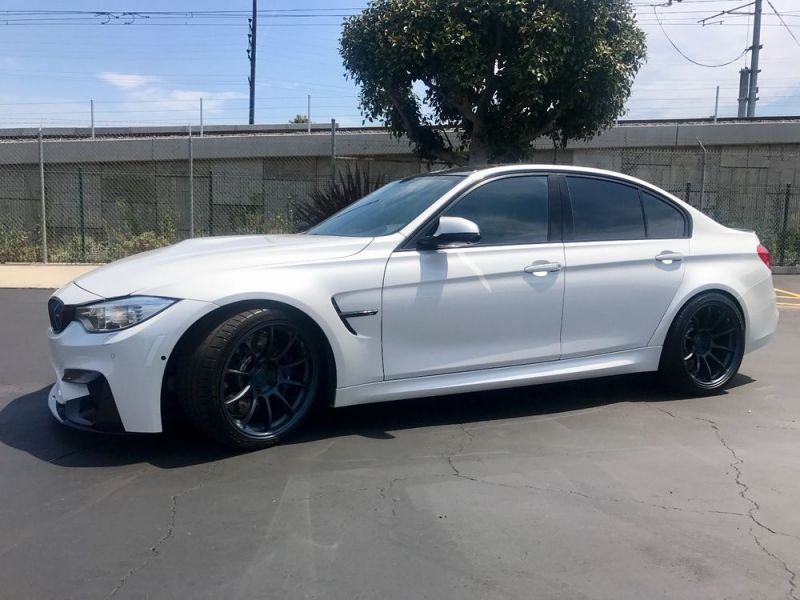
[
  {"x": 663, "y": 220},
  {"x": 605, "y": 210}
]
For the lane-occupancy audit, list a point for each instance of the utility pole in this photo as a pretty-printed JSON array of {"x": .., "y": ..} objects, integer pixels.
[
  {"x": 744, "y": 86},
  {"x": 752, "y": 95},
  {"x": 251, "y": 54}
]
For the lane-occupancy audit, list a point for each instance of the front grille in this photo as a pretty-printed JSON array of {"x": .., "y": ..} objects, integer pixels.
[{"x": 60, "y": 314}]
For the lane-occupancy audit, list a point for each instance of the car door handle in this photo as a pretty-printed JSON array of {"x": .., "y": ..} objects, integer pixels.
[
  {"x": 542, "y": 268},
  {"x": 668, "y": 257}
]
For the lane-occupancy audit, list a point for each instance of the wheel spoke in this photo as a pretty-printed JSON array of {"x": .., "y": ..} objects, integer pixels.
[
  {"x": 726, "y": 348},
  {"x": 241, "y": 394},
  {"x": 723, "y": 333},
  {"x": 246, "y": 420},
  {"x": 708, "y": 367},
  {"x": 293, "y": 383},
  {"x": 249, "y": 347},
  {"x": 288, "y": 405},
  {"x": 286, "y": 349},
  {"x": 299, "y": 361},
  {"x": 237, "y": 372},
  {"x": 718, "y": 361}
]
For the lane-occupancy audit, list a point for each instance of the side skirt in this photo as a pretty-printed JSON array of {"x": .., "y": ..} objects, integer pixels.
[{"x": 615, "y": 363}]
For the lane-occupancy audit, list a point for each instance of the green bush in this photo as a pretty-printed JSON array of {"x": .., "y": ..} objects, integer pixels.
[
  {"x": 351, "y": 186},
  {"x": 17, "y": 245}
]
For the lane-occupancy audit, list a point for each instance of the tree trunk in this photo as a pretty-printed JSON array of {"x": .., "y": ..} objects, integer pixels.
[{"x": 478, "y": 153}]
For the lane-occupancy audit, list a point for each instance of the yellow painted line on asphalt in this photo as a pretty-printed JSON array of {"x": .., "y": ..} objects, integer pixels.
[
  {"x": 788, "y": 293},
  {"x": 787, "y": 305}
]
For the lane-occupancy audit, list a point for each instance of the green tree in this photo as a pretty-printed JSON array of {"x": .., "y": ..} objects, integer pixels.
[
  {"x": 478, "y": 80},
  {"x": 299, "y": 119}
]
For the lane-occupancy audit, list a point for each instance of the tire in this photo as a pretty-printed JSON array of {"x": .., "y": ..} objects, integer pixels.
[
  {"x": 704, "y": 346},
  {"x": 250, "y": 380}
]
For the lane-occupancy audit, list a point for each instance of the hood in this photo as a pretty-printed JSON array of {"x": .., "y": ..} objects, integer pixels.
[{"x": 203, "y": 257}]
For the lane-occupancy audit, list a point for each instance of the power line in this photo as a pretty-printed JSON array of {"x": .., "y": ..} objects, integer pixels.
[
  {"x": 691, "y": 60},
  {"x": 780, "y": 17}
]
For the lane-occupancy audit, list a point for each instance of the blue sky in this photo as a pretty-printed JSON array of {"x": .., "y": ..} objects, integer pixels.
[{"x": 146, "y": 73}]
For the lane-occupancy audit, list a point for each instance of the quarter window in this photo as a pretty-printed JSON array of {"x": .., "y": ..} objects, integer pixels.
[
  {"x": 604, "y": 210},
  {"x": 513, "y": 210},
  {"x": 664, "y": 221}
]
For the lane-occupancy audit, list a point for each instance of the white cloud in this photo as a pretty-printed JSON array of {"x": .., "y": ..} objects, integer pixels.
[
  {"x": 127, "y": 81},
  {"x": 148, "y": 98}
]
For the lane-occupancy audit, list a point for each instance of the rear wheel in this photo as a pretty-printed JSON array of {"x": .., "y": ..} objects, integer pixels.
[
  {"x": 704, "y": 346},
  {"x": 252, "y": 379}
]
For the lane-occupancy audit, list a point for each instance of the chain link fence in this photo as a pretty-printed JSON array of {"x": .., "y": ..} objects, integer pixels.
[{"x": 68, "y": 200}]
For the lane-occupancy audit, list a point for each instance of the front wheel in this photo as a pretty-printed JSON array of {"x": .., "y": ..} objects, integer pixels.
[
  {"x": 704, "y": 346},
  {"x": 253, "y": 378}
]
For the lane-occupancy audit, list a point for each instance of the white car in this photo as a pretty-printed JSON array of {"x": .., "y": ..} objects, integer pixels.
[{"x": 443, "y": 283}]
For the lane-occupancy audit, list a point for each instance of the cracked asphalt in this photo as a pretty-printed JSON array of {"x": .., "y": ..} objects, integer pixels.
[{"x": 608, "y": 488}]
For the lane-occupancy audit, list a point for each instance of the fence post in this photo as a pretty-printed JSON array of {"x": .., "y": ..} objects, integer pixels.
[
  {"x": 81, "y": 214},
  {"x": 42, "y": 195},
  {"x": 210, "y": 203},
  {"x": 784, "y": 225},
  {"x": 333, "y": 151},
  {"x": 689, "y": 192},
  {"x": 191, "y": 185}
]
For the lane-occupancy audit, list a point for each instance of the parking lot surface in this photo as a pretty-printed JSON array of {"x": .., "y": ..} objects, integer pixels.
[{"x": 607, "y": 488}]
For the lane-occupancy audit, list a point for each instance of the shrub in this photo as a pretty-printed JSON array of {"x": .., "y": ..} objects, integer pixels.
[{"x": 352, "y": 185}]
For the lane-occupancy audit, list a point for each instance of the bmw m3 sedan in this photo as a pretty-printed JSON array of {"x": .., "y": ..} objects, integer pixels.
[{"x": 443, "y": 283}]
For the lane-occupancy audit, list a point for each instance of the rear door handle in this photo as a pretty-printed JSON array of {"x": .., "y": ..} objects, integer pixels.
[
  {"x": 668, "y": 257},
  {"x": 542, "y": 268}
]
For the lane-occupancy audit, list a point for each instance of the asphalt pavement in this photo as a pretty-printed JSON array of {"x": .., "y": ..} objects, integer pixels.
[{"x": 607, "y": 488}]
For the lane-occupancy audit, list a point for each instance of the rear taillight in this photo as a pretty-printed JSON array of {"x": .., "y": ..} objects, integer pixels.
[{"x": 763, "y": 254}]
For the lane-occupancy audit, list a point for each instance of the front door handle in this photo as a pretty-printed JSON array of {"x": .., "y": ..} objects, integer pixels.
[
  {"x": 541, "y": 268},
  {"x": 668, "y": 257}
]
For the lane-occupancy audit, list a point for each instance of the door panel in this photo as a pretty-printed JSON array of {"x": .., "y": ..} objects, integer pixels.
[
  {"x": 471, "y": 308},
  {"x": 617, "y": 293}
]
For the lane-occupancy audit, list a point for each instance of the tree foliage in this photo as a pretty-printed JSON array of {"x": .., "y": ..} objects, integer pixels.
[
  {"x": 299, "y": 119},
  {"x": 491, "y": 76}
]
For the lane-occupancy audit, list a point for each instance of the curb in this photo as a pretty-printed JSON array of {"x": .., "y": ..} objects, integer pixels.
[{"x": 40, "y": 276}]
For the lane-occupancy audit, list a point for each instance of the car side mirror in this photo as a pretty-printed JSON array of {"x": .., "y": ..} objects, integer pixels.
[{"x": 451, "y": 232}]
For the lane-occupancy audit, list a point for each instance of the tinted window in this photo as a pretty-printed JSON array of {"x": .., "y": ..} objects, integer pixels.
[
  {"x": 604, "y": 210},
  {"x": 663, "y": 220},
  {"x": 389, "y": 208},
  {"x": 508, "y": 211}
]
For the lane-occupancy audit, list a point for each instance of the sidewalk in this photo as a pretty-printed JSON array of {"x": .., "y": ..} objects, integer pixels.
[{"x": 39, "y": 275}]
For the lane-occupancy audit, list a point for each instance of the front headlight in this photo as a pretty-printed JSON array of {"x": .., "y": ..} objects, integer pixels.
[{"x": 114, "y": 315}]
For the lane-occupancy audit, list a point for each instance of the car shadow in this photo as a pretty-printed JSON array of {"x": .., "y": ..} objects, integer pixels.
[{"x": 27, "y": 425}]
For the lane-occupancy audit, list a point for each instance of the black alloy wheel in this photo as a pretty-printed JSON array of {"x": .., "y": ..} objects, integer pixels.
[
  {"x": 705, "y": 345},
  {"x": 249, "y": 380}
]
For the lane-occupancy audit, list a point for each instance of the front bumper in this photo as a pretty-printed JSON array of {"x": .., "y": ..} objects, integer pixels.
[{"x": 131, "y": 362}]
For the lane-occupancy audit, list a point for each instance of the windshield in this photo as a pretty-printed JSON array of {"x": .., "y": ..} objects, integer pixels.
[{"x": 388, "y": 209}]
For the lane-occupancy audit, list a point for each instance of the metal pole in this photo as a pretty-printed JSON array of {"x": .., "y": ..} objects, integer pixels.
[
  {"x": 201, "y": 115},
  {"x": 191, "y": 185},
  {"x": 210, "y": 203},
  {"x": 44, "y": 207},
  {"x": 716, "y": 106},
  {"x": 252, "y": 55},
  {"x": 703, "y": 175},
  {"x": 744, "y": 83},
  {"x": 786, "y": 198},
  {"x": 333, "y": 150},
  {"x": 91, "y": 109},
  {"x": 81, "y": 214},
  {"x": 752, "y": 95},
  {"x": 308, "y": 114}
]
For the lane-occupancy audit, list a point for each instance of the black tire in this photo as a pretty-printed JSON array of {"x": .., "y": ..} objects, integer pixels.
[
  {"x": 704, "y": 346},
  {"x": 250, "y": 380}
]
